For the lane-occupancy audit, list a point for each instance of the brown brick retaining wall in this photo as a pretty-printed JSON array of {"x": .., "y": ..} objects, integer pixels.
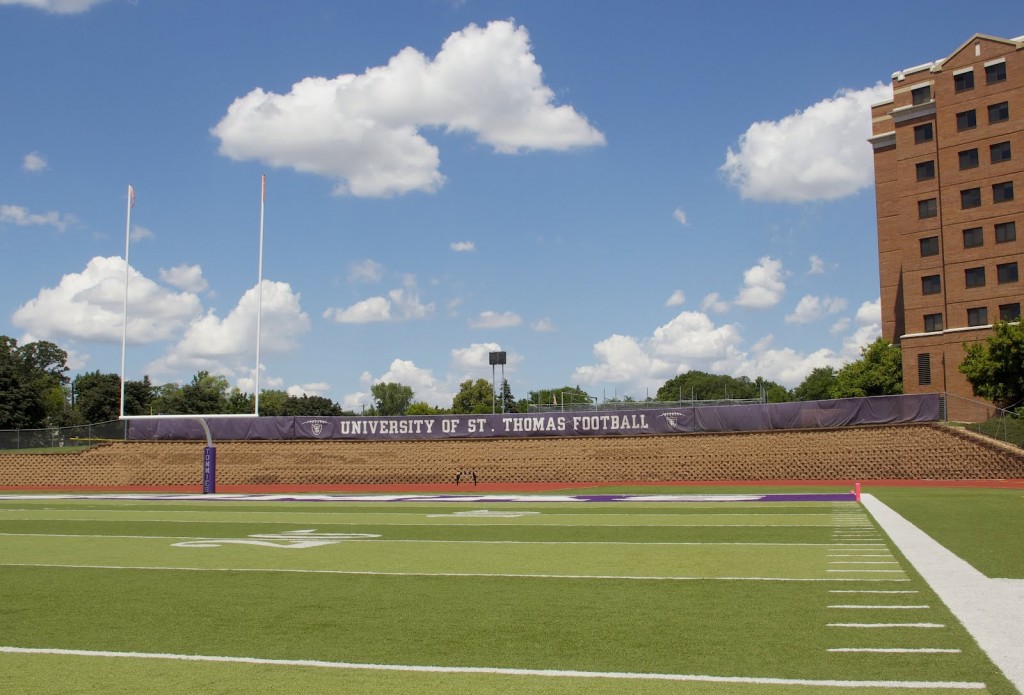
[{"x": 870, "y": 453}]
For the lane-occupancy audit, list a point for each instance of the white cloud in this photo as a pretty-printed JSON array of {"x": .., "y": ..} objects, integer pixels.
[
  {"x": 544, "y": 325},
  {"x": 365, "y": 271},
  {"x": 821, "y": 153},
  {"x": 492, "y": 319},
  {"x": 400, "y": 304},
  {"x": 839, "y": 326},
  {"x": 223, "y": 346},
  {"x": 90, "y": 306},
  {"x": 315, "y": 389},
  {"x": 811, "y": 308},
  {"x": 676, "y": 298},
  {"x": 34, "y": 162},
  {"x": 817, "y": 266},
  {"x": 56, "y": 6},
  {"x": 424, "y": 385},
  {"x": 762, "y": 285},
  {"x": 185, "y": 277},
  {"x": 679, "y": 215},
  {"x": 364, "y": 130},
  {"x": 139, "y": 233},
  {"x": 17, "y": 215},
  {"x": 870, "y": 313},
  {"x": 474, "y": 358},
  {"x": 714, "y": 302},
  {"x": 463, "y": 246}
]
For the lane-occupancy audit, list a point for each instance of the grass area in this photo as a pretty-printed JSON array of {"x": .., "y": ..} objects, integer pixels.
[
  {"x": 527, "y": 597},
  {"x": 48, "y": 450},
  {"x": 1008, "y": 429}
]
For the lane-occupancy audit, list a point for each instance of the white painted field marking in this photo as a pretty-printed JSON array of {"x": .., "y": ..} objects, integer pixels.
[
  {"x": 486, "y": 513},
  {"x": 858, "y": 555},
  {"x": 551, "y": 673},
  {"x": 872, "y": 625},
  {"x": 873, "y": 591},
  {"x": 866, "y": 562},
  {"x": 896, "y": 650},
  {"x": 863, "y": 570},
  {"x": 889, "y": 608},
  {"x": 443, "y": 574}
]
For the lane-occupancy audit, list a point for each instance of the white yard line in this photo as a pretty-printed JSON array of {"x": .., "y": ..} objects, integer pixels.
[
  {"x": 549, "y": 673},
  {"x": 992, "y": 610},
  {"x": 873, "y": 625}
]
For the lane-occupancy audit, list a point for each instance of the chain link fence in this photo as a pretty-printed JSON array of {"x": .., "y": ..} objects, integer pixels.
[{"x": 62, "y": 437}]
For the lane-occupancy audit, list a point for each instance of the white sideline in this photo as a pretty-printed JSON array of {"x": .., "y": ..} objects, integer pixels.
[
  {"x": 551, "y": 673},
  {"x": 992, "y": 610}
]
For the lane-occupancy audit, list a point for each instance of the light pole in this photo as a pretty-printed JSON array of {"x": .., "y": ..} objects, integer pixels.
[{"x": 497, "y": 358}]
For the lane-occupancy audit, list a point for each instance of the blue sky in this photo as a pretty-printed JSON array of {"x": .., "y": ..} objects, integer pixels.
[{"x": 612, "y": 193}]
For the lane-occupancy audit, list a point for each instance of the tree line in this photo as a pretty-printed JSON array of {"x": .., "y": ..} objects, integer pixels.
[{"x": 36, "y": 392}]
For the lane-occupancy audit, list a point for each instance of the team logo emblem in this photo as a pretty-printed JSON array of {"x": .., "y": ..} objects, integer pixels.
[{"x": 316, "y": 425}]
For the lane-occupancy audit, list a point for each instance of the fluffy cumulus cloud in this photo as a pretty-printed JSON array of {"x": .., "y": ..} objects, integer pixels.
[
  {"x": 817, "y": 266},
  {"x": 22, "y": 217},
  {"x": 714, "y": 302},
  {"x": 57, "y": 6},
  {"x": 820, "y": 153},
  {"x": 425, "y": 386},
  {"x": 90, "y": 306},
  {"x": 34, "y": 162},
  {"x": 184, "y": 277},
  {"x": 224, "y": 346},
  {"x": 763, "y": 285},
  {"x": 676, "y": 298},
  {"x": 365, "y": 271},
  {"x": 868, "y": 322},
  {"x": 400, "y": 304},
  {"x": 365, "y": 130},
  {"x": 811, "y": 308},
  {"x": 492, "y": 319},
  {"x": 316, "y": 389}
]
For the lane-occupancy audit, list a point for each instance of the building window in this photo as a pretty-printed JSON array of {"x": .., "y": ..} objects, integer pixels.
[
  {"x": 995, "y": 73},
  {"x": 973, "y": 237},
  {"x": 997, "y": 113},
  {"x": 931, "y": 284},
  {"x": 969, "y": 158},
  {"x": 1006, "y": 272},
  {"x": 1006, "y": 231},
  {"x": 923, "y": 133},
  {"x": 999, "y": 152},
  {"x": 926, "y": 170},
  {"x": 963, "y": 81},
  {"x": 970, "y": 198},
  {"x": 978, "y": 316},
  {"x": 924, "y": 368},
  {"x": 965, "y": 120},
  {"x": 927, "y": 208},
  {"x": 921, "y": 95},
  {"x": 975, "y": 277},
  {"x": 1002, "y": 192},
  {"x": 932, "y": 323},
  {"x": 930, "y": 246},
  {"x": 1009, "y": 312}
]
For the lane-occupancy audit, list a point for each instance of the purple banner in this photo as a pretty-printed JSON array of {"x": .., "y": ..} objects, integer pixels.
[{"x": 846, "y": 412}]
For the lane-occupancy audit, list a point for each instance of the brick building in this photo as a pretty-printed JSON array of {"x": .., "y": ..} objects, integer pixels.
[{"x": 949, "y": 191}]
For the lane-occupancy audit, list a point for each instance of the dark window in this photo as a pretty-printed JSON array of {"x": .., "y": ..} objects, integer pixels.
[
  {"x": 1009, "y": 312},
  {"x": 969, "y": 158},
  {"x": 1006, "y": 231},
  {"x": 924, "y": 368},
  {"x": 970, "y": 198},
  {"x": 1006, "y": 272},
  {"x": 997, "y": 113},
  {"x": 921, "y": 95},
  {"x": 978, "y": 316},
  {"x": 963, "y": 81},
  {"x": 926, "y": 170},
  {"x": 995, "y": 73},
  {"x": 932, "y": 322},
  {"x": 923, "y": 133},
  {"x": 966, "y": 120},
  {"x": 927, "y": 208},
  {"x": 931, "y": 284},
  {"x": 930, "y": 246},
  {"x": 1000, "y": 152},
  {"x": 973, "y": 237},
  {"x": 1002, "y": 192},
  {"x": 975, "y": 277}
]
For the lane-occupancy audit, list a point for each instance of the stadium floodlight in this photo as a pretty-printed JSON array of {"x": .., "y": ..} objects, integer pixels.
[
  {"x": 209, "y": 452},
  {"x": 497, "y": 358}
]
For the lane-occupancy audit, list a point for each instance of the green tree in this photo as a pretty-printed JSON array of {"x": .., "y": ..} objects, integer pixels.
[
  {"x": 564, "y": 395},
  {"x": 878, "y": 372},
  {"x": 474, "y": 397},
  {"x": 239, "y": 402},
  {"x": 207, "y": 393},
  {"x": 505, "y": 398},
  {"x": 97, "y": 396},
  {"x": 273, "y": 402},
  {"x": 311, "y": 405},
  {"x": 995, "y": 366},
  {"x": 138, "y": 396},
  {"x": 701, "y": 386},
  {"x": 774, "y": 393},
  {"x": 816, "y": 386},
  {"x": 32, "y": 381},
  {"x": 424, "y": 408},
  {"x": 169, "y": 399},
  {"x": 390, "y": 398}
]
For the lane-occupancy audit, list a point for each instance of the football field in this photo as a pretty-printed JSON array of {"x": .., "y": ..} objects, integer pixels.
[{"x": 717, "y": 594}]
